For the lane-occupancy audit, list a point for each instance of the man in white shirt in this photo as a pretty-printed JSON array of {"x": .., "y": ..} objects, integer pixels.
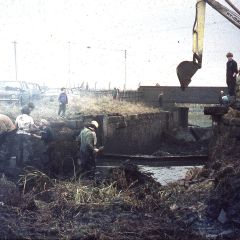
[{"x": 25, "y": 125}]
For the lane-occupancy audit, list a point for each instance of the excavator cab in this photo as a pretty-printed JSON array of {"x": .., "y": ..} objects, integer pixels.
[{"x": 186, "y": 69}]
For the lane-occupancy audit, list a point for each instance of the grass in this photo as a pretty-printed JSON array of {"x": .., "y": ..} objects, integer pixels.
[{"x": 80, "y": 105}]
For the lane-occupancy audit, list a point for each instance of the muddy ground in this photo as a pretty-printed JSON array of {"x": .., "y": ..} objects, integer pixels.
[{"x": 128, "y": 204}]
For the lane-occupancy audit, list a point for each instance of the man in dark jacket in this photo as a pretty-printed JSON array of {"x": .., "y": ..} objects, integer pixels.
[
  {"x": 46, "y": 132},
  {"x": 63, "y": 101},
  {"x": 231, "y": 74},
  {"x": 88, "y": 150},
  {"x": 47, "y": 136}
]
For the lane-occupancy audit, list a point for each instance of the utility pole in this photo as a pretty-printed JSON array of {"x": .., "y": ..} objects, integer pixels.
[
  {"x": 69, "y": 64},
  {"x": 125, "y": 69},
  {"x": 15, "y": 58}
]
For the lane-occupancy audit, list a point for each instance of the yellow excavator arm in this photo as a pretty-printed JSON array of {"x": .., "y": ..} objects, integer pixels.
[{"x": 186, "y": 69}]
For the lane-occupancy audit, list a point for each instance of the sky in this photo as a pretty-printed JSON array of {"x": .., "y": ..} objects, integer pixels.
[{"x": 67, "y": 42}]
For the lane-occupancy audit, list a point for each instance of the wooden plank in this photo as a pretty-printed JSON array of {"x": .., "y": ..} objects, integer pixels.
[
  {"x": 189, "y": 160},
  {"x": 215, "y": 110}
]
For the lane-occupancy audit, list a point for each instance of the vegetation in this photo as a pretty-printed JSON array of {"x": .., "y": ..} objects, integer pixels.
[{"x": 81, "y": 105}]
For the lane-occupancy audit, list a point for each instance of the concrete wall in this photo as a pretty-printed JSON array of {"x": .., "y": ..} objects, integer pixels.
[
  {"x": 174, "y": 94},
  {"x": 140, "y": 133},
  {"x": 137, "y": 133}
]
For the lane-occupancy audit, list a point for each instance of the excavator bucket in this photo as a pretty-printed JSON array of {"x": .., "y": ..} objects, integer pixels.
[{"x": 185, "y": 71}]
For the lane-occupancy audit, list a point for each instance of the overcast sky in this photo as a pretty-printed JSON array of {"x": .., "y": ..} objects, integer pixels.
[{"x": 156, "y": 34}]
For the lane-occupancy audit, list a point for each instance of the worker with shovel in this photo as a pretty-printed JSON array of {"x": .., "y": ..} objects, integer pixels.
[{"x": 88, "y": 150}]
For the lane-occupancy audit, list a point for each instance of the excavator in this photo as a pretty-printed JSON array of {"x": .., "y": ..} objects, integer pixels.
[{"x": 186, "y": 69}]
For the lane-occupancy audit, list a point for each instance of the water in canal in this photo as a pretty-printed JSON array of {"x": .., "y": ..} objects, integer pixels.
[{"x": 165, "y": 175}]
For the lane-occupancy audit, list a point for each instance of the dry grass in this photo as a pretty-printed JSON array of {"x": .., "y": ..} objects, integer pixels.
[{"x": 81, "y": 105}]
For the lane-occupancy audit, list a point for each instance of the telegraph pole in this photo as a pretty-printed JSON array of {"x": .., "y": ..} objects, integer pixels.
[
  {"x": 15, "y": 58},
  {"x": 69, "y": 64},
  {"x": 125, "y": 69}
]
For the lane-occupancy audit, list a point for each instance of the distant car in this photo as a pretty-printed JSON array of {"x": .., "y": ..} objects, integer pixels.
[
  {"x": 14, "y": 92},
  {"x": 35, "y": 91},
  {"x": 52, "y": 94}
]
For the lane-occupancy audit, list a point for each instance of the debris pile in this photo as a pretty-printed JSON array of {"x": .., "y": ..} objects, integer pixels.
[{"x": 224, "y": 202}]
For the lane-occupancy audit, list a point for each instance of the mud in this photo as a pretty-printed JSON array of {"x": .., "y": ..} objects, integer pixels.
[
  {"x": 192, "y": 140},
  {"x": 126, "y": 204}
]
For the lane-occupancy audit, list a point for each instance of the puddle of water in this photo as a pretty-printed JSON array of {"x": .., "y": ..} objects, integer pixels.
[{"x": 166, "y": 175}]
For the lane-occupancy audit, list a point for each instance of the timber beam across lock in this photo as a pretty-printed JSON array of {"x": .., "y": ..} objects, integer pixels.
[{"x": 158, "y": 161}]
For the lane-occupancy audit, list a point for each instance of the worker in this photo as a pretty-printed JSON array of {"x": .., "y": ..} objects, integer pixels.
[
  {"x": 46, "y": 133},
  {"x": 118, "y": 94},
  {"x": 88, "y": 150},
  {"x": 160, "y": 99},
  {"x": 7, "y": 137},
  {"x": 29, "y": 107},
  {"x": 223, "y": 99},
  {"x": 87, "y": 86},
  {"x": 63, "y": 101},
  {"x": 238, "y": 84},
  {"x": 47, "y": 136},
  {"x": 231, "y": 74},
  {"x": 24, "y": 124},
  {"x": 114, "y": 94}
]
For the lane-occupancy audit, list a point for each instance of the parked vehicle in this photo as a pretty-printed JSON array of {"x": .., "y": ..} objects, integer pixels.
[
  {"x": 35, "y": 91},
  {"x": 51, "y": 94},
  {"x": 14, "y": 92}
]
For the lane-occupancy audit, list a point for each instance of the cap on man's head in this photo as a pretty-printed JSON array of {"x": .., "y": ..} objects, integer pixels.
[
  {"x": 94, "y": 124},
  {"x": 229, "y": 54},
  {"x": 44, "y": 122}
]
